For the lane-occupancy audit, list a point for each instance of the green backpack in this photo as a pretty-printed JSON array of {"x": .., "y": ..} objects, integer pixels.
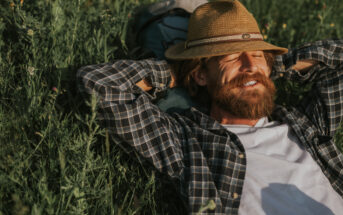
[{"x": 158, "y": 26}]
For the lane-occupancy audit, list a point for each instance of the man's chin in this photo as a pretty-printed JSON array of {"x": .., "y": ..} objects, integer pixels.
[
  {"x": 251, "y": 98},
  {"x": 247, "y": 106},
  {"x": 246, "y": 102}
]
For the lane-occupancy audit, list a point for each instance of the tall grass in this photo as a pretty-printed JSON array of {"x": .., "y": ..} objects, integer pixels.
[{"x": 54, "y": 157}]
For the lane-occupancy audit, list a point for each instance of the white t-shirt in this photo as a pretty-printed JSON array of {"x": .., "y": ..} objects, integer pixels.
[{"x": 281, "y": 177}]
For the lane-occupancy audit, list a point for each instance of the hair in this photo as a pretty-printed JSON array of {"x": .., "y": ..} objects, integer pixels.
[{"x": 183, "y": 74}]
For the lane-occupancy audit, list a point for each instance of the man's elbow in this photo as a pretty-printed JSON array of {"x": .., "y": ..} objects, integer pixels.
[{"x": 84, "y": 79}]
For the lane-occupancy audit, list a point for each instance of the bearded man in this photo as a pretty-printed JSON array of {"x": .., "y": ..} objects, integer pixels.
[{"x": 244, "y": 153}]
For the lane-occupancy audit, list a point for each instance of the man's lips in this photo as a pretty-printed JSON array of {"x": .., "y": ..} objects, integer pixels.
[
  {"x": 246, "y": 85},
  {"x": 245, "y": 82},
  {"x": 250, "y": 83}
]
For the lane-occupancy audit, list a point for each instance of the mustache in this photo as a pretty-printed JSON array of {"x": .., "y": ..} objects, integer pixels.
[{"x": 243, "y": 78}]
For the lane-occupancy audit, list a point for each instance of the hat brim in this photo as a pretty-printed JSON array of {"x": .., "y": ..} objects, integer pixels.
[{"x": 178, "y": 51}]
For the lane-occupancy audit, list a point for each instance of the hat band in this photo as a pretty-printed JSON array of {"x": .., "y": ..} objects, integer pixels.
[{"x": 221, "y": 39}]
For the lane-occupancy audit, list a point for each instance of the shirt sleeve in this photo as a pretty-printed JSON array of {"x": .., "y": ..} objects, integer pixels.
[
  {"x": 324, "y": 103},
  {"x": 128, "y": 112}
]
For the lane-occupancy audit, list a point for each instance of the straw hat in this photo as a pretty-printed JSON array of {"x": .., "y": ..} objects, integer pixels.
[{"x": 218, "y": 28}]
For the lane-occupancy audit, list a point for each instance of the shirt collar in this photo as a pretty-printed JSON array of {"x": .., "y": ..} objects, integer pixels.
[{"x": 204, "y": 120}]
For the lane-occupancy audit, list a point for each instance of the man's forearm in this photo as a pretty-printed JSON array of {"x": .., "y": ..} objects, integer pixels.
[
  {"x": 319, "y": 63},
  {"x": 124, "y": 76},
  {"x": 128, "y": 112}
]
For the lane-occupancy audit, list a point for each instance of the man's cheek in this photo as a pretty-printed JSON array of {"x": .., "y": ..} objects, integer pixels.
[{"x": 266, "y": 70}]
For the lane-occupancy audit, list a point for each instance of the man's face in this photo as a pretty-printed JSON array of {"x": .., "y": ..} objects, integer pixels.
[{"x": 239, "y": 83}]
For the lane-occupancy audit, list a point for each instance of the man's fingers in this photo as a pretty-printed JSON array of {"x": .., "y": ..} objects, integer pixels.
[
  {"x": 304, "y": 65},
  {"x": 144, "y": 85}
]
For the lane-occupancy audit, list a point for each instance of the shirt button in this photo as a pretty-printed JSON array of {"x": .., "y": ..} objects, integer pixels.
[
  {"x": 161, "y": 85},
  {"x": 241, "y": 155},
  {"x": 235, "y": 195}
]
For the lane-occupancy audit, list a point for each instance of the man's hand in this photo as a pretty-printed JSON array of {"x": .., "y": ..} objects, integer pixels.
[
  {"x": 146, "y": 86},
  {"x": 304, "y": 65}
]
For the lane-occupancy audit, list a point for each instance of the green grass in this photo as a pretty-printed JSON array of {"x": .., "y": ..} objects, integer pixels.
[{"x": 54, "y": 157}]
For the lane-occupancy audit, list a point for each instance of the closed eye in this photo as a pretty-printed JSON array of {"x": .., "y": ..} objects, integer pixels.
[
  {"x": 229, "y": 58},
  {"x": 232, "y": 59}
]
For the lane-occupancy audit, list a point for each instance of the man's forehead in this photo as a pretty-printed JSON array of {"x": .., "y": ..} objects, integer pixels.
[{"x": 237, "y": 54}]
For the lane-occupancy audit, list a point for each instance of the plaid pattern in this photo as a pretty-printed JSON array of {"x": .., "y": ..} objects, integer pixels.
[{"x": 204, "y": 160}]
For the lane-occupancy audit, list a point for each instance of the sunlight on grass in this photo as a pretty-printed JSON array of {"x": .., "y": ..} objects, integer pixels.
[{"x": 55, "y": 158}]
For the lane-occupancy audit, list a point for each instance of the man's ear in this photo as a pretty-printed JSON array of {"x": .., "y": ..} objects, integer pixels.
[{"x": 199, "y": 77}]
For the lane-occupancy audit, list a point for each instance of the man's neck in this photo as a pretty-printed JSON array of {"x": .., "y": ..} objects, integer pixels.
[{"x": 225, "y": 117}]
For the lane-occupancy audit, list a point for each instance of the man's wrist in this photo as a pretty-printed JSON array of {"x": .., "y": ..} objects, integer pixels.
[
  {"x": 304, "y": 65},
  {"x": 144, "y": 85}
]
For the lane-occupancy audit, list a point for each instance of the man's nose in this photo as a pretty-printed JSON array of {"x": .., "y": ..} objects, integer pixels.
[{"x": 248, "y": 63}]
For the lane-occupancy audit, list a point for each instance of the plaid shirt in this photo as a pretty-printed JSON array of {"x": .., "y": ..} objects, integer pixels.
[{"x": 206, "y": 161}]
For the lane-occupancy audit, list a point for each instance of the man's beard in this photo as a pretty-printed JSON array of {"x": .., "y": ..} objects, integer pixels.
[{"x": 246, "y": 103}]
